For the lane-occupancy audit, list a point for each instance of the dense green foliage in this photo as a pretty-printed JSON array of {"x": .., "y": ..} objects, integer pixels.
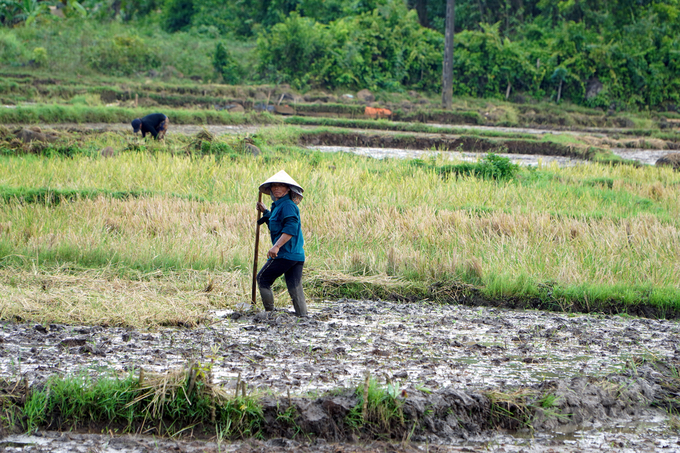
[
  {"x": 384, "y": 48},
  {"x": 602, "y": 54}
]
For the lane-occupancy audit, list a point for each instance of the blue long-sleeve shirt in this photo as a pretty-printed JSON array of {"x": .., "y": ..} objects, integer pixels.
[{"x": 284, "y": 217}]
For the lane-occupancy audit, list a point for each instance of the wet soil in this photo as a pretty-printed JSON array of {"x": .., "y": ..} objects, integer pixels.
[
  {"x": 628, "y": 438},
  {"x": 57, "y": 442},
  {"x": 444, "y": 358},
  {"x": 415, "y": 344}
]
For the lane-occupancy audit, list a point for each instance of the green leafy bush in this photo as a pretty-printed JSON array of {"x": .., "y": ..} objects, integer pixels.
[
  {"x": 226, "y": 65},
  {"x": 294, "y": 49},
  {"x": 493, "y": 166},
  {"x": 40, "y": 56}
]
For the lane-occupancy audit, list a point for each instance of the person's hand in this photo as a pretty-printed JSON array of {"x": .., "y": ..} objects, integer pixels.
[
  {"x": 273, "y": 252},
  {"x": 261, "y": 207}
]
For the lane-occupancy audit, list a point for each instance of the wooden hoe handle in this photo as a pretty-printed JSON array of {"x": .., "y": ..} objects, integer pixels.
[{"x": 257, "y": 245}]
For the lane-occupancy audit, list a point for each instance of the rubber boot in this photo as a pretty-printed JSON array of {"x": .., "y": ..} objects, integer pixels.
[
  {"x": 299, "y": 302},
  {"x": 267, "y": 298}
]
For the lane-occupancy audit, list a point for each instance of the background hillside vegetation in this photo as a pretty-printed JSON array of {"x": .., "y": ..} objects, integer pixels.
[{"x": 614, "y": 55}]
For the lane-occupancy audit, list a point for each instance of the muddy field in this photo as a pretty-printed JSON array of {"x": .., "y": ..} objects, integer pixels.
[
  {"x": 630, "y": 438},
  {"x": 417, "y": 345},
  {"x": 426, "y": 349}
]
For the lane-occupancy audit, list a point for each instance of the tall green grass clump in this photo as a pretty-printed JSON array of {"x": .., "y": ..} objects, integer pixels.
[
  {"x": 166, "y": 404},
  {"x": 491, "y": 166},
  {"x": 77, "y": 401},
  {"x": 378, "y": 409}
]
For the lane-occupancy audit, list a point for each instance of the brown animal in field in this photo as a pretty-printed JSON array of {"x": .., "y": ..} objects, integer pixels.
[{"x": 373, "y": 112}]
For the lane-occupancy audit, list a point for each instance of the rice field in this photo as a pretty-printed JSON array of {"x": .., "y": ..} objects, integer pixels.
[{"x": 159, "y": 216}]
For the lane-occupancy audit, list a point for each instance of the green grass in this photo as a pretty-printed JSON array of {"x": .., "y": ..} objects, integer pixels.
[
  {"x": 380, "y": 413},
  {"x": 52, "y": 114},
  {"x": 79, "y": 46},
  {"x": 384, "y": 124},
  {"x": 491, "y": 166},
  {"x": 54, "y": 197},
  {"x": 74, "y": 401},
  {"x": 166, "y": 405}
]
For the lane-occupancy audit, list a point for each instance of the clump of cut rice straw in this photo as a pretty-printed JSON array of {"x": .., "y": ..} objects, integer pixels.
[
  {"x": 159, "y": 389},
  {"x": 101, "y": 297}
]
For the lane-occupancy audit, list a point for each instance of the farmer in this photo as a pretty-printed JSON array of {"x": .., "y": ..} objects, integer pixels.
[
  {"x": 287, "y": 256},
  {"x": 155, "y": 124}
]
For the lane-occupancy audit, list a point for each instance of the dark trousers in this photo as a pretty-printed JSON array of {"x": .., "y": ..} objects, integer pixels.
[{"x": 292, "y": 271}]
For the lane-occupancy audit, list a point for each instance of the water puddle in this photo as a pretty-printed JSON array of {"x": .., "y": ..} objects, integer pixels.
[
  {"x": 396, "y": 153},
  {"x": 645, "y": 156}
]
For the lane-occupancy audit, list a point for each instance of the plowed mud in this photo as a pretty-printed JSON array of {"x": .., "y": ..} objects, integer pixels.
[{"x": 448, "y": 362}]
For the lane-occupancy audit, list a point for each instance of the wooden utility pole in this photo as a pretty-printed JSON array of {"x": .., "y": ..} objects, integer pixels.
[{"x": 447, "y": 78}]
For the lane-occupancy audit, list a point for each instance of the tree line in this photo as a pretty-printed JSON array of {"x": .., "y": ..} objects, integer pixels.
[{"x": 600, "y": 53}]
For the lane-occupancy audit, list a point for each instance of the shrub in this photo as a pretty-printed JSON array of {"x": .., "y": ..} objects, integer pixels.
[
  {"x": 40, "y": 56},
  {"x": 492, "y": 166},
  {"x": 225, "y": 65},
  {"x": 294, "y": 48}
]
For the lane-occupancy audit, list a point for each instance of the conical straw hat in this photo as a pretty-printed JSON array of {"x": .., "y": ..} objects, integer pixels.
[{"x": 282, "y": 178}]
